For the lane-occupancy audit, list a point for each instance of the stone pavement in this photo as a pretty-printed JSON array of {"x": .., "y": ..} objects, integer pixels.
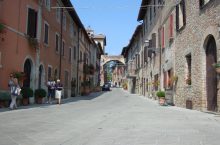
[{"x": 109, "y": 118}]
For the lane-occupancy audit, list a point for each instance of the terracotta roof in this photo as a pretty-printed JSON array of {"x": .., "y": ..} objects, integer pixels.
[{"x": 143, "y": 9}]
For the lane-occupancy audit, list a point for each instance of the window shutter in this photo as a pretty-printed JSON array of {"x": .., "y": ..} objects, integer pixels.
[
  {"x": 163, "y": 39},
  {"x": 32, "y": 23},
  {"x": 171, "y": 26},
  {"x": 177, "y": 17},
  {"x": 184, "y": 12},
  {"x": 154, "y": 40}
]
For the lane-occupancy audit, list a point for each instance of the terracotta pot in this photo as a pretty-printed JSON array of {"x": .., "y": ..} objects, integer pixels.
[
  {"x": 25, "y": 101},
  {"x": 2, "y": 105},
  {"x": 162, "y": 101},
  {"x": 39, "y": 100}
]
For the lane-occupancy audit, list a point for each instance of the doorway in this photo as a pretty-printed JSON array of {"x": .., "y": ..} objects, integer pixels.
[
  {"x": 27, "y": 71},
  {"x": 211, "y": 76}
]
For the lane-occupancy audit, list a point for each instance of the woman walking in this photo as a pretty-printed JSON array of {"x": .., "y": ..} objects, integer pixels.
[
  {"x": 14, "y": 91},
  {"x": 58, "y": 94}
]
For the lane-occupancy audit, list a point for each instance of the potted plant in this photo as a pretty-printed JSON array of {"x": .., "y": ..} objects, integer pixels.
[
  {"x": 85, "y": 86},
  {"x": 39, "y": 95},
  {"x": 217, "y": 66},
  {"x": 1, "y": 27},
  {"x": 19, "y": 75},
  {"x": 26, "y": 93},
  {"x": 161, "y": 97},
  {"x": 4, "y": 99}
]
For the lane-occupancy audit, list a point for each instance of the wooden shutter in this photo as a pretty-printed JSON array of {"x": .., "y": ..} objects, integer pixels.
[
  {"x": 154, "y": 41},
  {"x": 32, "y": 23},
  {"x": 184, "y": 12},
  {"x": 171, "y": 25},
  {"x": 162, "y": 38},
  {"x": 177, "y": 17}
]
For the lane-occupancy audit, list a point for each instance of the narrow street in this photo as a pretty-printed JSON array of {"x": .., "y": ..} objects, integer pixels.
[{"x": 109, "y": 118}]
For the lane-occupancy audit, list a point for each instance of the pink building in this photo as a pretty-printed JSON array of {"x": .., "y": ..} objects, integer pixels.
[{"x": 30, "y": 42}]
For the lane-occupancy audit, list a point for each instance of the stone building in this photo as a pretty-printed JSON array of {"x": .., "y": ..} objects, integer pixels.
[
  {"x": 182, "y": 40},
  {"x": 197, "y": 45}
]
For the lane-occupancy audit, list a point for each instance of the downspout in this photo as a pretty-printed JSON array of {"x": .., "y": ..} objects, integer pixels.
[{"x": 77, "y": 65}]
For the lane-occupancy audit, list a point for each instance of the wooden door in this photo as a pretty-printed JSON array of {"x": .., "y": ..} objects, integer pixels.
[{"x": 211, "y": 75}]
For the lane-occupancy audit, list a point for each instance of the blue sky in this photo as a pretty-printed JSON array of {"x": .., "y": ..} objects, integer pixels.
[{"x": 117, "y": 19}]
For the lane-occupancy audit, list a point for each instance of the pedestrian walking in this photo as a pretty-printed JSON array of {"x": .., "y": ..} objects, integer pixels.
[
  {"x": 50, "y": 87},
  {"x": 14, "y": 91},
  {"x": 58, "y": 92}
]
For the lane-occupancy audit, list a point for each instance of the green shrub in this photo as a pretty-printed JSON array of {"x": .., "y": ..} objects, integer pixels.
[
  {"x": 160, "y": 94},
  {"x": 40, "y": 93},
  {"x": 4, "y": 96},
  {"x": 1, "y": 27},
  {"x": 27, "y": 92}
]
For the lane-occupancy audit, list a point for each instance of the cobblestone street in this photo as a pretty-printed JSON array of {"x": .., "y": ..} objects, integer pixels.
[{"x": 111, "y": 118}]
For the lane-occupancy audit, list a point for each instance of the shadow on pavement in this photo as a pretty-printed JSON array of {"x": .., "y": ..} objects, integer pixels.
[{"x": 54, "y": 102}]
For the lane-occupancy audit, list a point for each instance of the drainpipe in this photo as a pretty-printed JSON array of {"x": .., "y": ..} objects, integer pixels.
[
  {"x": 77, "y": 65},
  {"x": 39, "y": 17}
]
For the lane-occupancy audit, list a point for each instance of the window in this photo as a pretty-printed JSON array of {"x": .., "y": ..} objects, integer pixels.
[
  {"x": 180, "y": 15},
  {"x": 188, "y": 69},
  {"x": 58, "y": 14},
  {"x": 57, "y": 39},
  {"x": 66, "y": 79},
  {"x": 63, "y": 49},
  {"x": 80, "y": 56},
  {"x": 203, "y": 2},
  {"x": 55, "y": 74},
  {"x": 70, "y": 56},
  {"x": 71, "y": 30},
  {"x": 156, "y": 82},
  {"x": 46, "y": 33},
  {"x": 47, "y": 4},
  {"x": 49, "y": 73},
  {"x": 171, "y": 26},
  {"x": 64, "y": 21},
  {"x": 32, "y": 23},
  {"x": 154, "y": 7},
  {"x": 74, "y": 51}
]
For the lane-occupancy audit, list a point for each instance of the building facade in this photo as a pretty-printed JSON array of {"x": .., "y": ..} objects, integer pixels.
[
  {"x": 44, "y": 40},
  {"x": 180, "y": 45}
]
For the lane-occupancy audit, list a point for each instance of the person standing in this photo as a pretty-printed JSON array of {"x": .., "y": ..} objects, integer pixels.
[
  {"x": 49, "y": 90},
  {"x": 58, "y": 93},
  {"x": 14, "y": 91}
]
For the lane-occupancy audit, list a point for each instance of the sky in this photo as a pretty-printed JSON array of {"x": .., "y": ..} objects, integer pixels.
[{"x": 117, "y": 19}]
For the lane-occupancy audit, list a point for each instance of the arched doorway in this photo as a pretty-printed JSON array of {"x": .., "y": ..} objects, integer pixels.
[
  {"x": 211, "y": 76},
  {"x": 40, "y": 77},
  {"x": 27, "y": 71}
]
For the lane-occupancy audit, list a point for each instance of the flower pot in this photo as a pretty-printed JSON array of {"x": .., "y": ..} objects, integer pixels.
[
  {"x": 25, "y": 101},
  {"x": 161, "y": 100},
  {"x": 39, "y": 100}
]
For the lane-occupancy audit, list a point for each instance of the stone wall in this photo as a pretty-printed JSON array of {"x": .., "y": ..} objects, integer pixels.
[{"x": 200, "y": 23}]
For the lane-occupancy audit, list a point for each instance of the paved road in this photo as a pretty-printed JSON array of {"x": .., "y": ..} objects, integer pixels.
[{"x": 112, "y": 118}]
